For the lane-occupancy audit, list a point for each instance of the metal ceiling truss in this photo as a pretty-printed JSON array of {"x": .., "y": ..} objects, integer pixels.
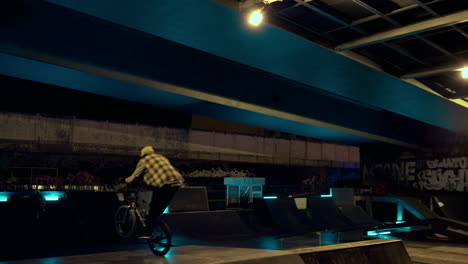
[
  {"x": 402, "y": 31},
  {"x": 396, "y": 23},
  {"x": 361, "y": 20},
  {"x": 449, "y": 20},
  {"x": 432, "y": 12},
  {"x": 353, "y": 27},
  {"x": 436, "y": 70},
  {"x": 394, "y": 12}
]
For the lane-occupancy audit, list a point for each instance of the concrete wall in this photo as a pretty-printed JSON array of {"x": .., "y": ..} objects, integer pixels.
[{"x": 107, "y": 137}]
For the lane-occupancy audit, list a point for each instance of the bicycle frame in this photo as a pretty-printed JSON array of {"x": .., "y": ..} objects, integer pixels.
[
  {"x": 159, "y": 243},
  {"x": 134, "y": 205},
  {"x": 140, "y": 216}
]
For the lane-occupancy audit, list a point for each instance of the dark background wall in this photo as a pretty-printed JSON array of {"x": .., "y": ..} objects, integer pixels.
[
  {"x": 23, "y": 96},
  {"x": 105, "y": 169}
]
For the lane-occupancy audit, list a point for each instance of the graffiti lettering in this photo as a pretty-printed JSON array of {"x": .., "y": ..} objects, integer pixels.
[
  {"x": 397, "y": 171},
  {"x": 447, "y": 174},
  {"x": 218, "y": 173},
  {"x": 438, "y": 179},
  {"x": 449, "y": 163}
]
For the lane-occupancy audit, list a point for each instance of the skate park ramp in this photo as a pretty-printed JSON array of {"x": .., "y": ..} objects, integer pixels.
[
  {"x": 321, "y": 218},
  {"x": 283, "y": 215},
  {"x": 212, "y": 224},
  {"x": 410, "y": 204},
  {"x": 325, "y": 215},
  {"x": 380, "y": 251},
  {"x": 190, "y": 199},
  {"x": 450, "y": 227},
  {"x": 358, "y": 216},
  {"x": 384, "y": 251},
  {"x": 419, "y": 210},
  {"x": 416, "y": 207},
  {"x": 452, "y": 206},
  {"x": 457, "y": 230}
]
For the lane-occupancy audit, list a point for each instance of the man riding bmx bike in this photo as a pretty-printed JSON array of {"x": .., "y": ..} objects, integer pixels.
[{"x": 162, "y": 178}]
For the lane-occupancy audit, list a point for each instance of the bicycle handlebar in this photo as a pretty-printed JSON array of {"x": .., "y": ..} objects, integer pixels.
[{"x": 121, "y": 186}]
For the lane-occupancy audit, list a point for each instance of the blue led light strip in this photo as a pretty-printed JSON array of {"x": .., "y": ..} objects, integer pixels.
[
  {"x": 328, "y": 195},
  {"x": 4, "y": 196},
  {"x": 52, "y": 195}
]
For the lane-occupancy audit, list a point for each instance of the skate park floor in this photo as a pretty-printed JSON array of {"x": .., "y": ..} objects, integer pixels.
[
  {"x": 254, "y": 250},
  {"x": 224, "y": 237}
]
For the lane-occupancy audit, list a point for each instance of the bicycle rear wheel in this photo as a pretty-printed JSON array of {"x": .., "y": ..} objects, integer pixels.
[
  {"x": 125, "y": 221},
  {"x": 160, "y": 243}
]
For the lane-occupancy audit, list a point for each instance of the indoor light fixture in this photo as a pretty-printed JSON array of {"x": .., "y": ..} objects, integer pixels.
[
  {"x": 256, "y": 17},
  {"x": 464, "y": 72}
]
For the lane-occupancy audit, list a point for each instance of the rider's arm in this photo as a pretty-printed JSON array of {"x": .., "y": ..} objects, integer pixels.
[{"x": 140, "y": 168}]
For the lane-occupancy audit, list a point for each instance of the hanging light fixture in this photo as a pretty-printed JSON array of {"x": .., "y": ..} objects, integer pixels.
[
  {"x": 464, "y": 72},
  {"x": 256, "y": 16}
]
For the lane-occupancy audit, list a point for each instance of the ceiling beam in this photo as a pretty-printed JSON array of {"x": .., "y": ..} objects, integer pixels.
[
  {"x": 373, "y": 17},
  {"x": 431, "y": 71},
  {"x": 412, "y": 29},
  {"x": 431, "y": 11},
  {"x": 403, "y": 9}
]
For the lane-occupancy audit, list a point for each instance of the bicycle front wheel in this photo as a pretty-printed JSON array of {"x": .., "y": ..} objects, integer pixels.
[
  {"x": 125, "y": 221},
  {"x": 160, "y": 243}
]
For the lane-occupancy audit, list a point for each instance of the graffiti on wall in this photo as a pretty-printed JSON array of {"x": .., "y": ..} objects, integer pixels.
[
  {"x": 447, "y": 174},
  {"x": 218, "y": 172},
  {"x": 390, "y": 171},
  {"x": 450, "y": 174}
]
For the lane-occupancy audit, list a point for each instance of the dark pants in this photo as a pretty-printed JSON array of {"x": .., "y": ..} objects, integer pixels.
[{"x": 161, "y": 198}]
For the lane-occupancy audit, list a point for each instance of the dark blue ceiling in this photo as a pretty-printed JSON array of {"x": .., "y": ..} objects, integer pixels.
[
  {"x": 318, "y": 93},
  {"x": 213, "y": 28}
]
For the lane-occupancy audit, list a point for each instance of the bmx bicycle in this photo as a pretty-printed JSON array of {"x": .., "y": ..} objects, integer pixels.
[{"x": 131, "y": 215}]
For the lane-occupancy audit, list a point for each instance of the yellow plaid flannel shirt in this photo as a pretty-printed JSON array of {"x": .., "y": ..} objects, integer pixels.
[{"x": 158, "y": 171}]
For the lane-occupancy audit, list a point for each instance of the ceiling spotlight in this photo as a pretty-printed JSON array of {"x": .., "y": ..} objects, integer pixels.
[
  {"x": 256, "y": 17},
  {"x": 464, "y": 72}
]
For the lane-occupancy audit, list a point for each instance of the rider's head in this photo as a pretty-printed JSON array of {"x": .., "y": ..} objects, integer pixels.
[{"x": 146, "y": 151}]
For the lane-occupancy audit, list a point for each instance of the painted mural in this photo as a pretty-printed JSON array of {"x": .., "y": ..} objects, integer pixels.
[{"x": 445, "y": 174}]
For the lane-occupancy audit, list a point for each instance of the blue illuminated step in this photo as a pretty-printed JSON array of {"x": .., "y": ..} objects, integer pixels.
[{"x": 389, "y": 231}]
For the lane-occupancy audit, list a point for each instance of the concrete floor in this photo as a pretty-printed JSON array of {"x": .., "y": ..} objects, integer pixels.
[
  {"x": 233, "y": 251},
  {"x": 437, "y": 252},
  {"x": 193, "y": 254},
  {"x": 184, "y": 254},
  {"x": 420, "y": 252}
]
